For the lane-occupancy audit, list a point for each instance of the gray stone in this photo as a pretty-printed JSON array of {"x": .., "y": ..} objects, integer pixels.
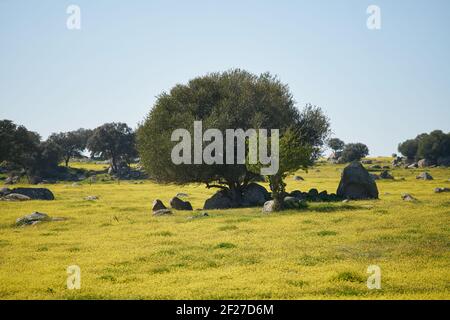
[
  {"x": 298, "y": 178},
  {"x": 255, "y": 195},
  {"x": 268, "y": 206},
  {"x": 182, "y": 195},
  {"x": 4, "y": 192},
  {"x": 35, "y": 193},
  {"x": 91, "y": 198},
  {"x": 34, "y": 218},
  {"x": 12, "y": 180},
  {"x": 408, "y": 197},
  {"x": 178, "y": 204},
  {"x": 424, "y": 176},
  {"x": 412, "y": 166},
  {"x": 356, "y": 183},
  {"x": 220, "y": 200},
  {"x": 440, "y": 190},
  {"x": 423, "y": 163},
  {"x": 16, "y": 197},
  {"x": 386, "y": 175},
  {"x": 158, "y": 205}
]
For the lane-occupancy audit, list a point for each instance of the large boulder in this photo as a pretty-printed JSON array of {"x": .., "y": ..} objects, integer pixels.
[
  {"x": 35, "y": 193},
  {"x": 220, "y": 200},
  {"x": 356, "y": 183},
  {"x": 255, "y": 195},
  {"x": 34, "y": 218},
  {"x": 178, "y": 204}
]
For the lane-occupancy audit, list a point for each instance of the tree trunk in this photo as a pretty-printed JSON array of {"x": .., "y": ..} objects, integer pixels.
[{"x": 278, "y": 191}]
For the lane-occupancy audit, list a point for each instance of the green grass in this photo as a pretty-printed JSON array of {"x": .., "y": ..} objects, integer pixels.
[{"x": 321, "y": 252}]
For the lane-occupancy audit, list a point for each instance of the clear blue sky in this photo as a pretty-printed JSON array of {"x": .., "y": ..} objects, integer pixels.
[{"x": 378, "y": 87}]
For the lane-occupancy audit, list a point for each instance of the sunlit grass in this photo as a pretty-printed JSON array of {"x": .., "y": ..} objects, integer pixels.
[{"x": 320, "y": 252}]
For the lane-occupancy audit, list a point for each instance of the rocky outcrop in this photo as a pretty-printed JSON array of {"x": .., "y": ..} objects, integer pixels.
[{"x": 356, "y": 183}]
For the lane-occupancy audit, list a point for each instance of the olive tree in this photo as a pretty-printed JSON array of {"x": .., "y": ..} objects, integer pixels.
[{"x": 235, "y": 99}]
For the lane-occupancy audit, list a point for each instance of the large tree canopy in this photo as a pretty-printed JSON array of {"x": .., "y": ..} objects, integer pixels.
[{"x": 234, "y": 99}]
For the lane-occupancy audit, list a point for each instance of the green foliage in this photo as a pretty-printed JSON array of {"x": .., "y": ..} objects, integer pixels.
[
  {"x": 430, "y": 146},
  {"x": 354, "y": 151},
  {"x": 114, "y": 141},
  {"x": 72, "y": 143},
  {"x": 229, "y": 100},
  {"x": 409, "y": 148},
  {"x": 17, "y": 144},
  {"x": 336, "y": 144}
]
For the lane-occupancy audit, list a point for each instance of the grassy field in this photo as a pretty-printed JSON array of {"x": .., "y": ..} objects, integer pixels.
[{"x": 321, "y": 253}]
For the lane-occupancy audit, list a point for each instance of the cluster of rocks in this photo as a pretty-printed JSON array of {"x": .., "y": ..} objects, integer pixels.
[
  {"x": 422, "y": 163},
  {"x": 23, "y": 194},
  {"x": 35, "y": 218},
  {"x": 252, "y": 195},
  {"x": 159, "y": 209}
]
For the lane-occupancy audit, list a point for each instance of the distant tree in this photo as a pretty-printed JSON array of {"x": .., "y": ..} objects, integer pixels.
[
  {"x": 432, "y": 146},
  {"x": 113, "y": 141},
  {"x": 409, "y": 148},
  {"x": 336, "y": 144},
  {"x": 72, "y": 143},
  {"x": 354, "y": 151},
  {"x": 17, "y": 144},
  {"x": 229, "y": 100},
  {"x": 23, "y": 149}
]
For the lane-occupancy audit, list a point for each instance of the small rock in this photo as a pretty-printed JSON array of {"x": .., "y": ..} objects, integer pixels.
[
  {"x": 182, "y": 195},
  {"x": 91, "y": 198},
  {"x": 158, "y": 205},
  {"x": 34, "y": 218},
  {"x": 268, "y": 206},
  {"x": 440, "y": 190},
  {"x": 16, "y": 197},
  {"x": 386, "y": 175},
  {"x": 408, "y": 197},
  {"x": 424, "y": 176},
  {"x": 345, "y": 201},
  {"x": 298, "y": 178}
]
